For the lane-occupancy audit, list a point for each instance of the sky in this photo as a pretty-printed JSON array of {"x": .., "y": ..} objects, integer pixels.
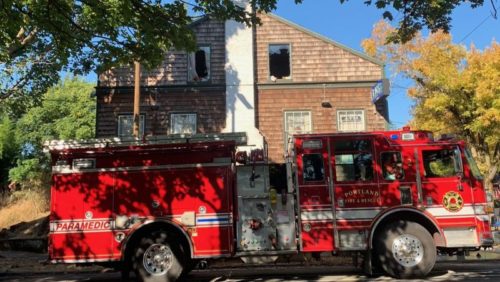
[{"x": 351, "y": 22}]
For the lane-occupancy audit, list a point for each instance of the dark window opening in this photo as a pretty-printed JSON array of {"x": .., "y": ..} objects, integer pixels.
[
  {"x": 201, "y": 64},
  {"x": 279, "y": 61}
]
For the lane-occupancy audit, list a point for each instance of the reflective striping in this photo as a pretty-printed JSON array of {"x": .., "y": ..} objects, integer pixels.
[
  {"x": 442, "y": 212},
  {"x": 341, "y": 214},
  {"x": 316, "y": 215},
  {"x": 357, "y": 214},
  {"x": 214, "y": 220},
  {"x": 89, "y": 260},
  {"x": 108, "y": 224}
]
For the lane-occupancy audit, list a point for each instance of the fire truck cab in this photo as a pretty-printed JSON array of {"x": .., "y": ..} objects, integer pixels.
[
  {"x": 159, "y": 205},
  {"x": 398, "y": 195}
]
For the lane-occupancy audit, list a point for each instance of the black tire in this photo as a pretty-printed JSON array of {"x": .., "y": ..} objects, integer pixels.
[
  {"x": 405, "y": 249},
  {"x": 157, "y": 257}
]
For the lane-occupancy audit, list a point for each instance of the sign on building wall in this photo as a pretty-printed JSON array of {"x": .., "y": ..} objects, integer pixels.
[{"x": 380, "y": 89}]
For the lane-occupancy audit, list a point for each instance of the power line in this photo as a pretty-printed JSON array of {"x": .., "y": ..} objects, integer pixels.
[{"x": 472, "y": 31}]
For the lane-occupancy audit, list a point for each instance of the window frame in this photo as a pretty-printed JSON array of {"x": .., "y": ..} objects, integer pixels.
[
  {"x": 290, "y": 76},
  {"x": 191, "y": 71},
  {"x": 171, "y": 129},
  {"x": 142, "y": 124},
  {"x": 363, "y": 117}
]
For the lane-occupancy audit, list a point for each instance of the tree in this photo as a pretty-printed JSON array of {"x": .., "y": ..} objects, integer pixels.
[
  {"x": 67, "y": 111},
  {"x": 40, "y": 38},
  {"x": 7, "y": 148},
  {"x": 435, "y": 15},
  {"x": 456, "y": 90}
]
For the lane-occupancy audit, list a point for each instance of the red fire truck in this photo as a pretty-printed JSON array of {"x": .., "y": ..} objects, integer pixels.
[{"x": 159, "y": 205}]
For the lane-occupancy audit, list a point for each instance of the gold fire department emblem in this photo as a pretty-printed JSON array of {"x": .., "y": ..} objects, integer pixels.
[{"x": 453, "y": 201}]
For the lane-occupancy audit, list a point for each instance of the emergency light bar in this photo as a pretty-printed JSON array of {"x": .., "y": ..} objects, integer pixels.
[
  {"x": 408, "y": 136},
  {"x": 312, "y": 144}
]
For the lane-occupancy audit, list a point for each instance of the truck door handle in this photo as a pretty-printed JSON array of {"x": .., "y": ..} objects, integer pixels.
[{"x": 459, "y": 184}]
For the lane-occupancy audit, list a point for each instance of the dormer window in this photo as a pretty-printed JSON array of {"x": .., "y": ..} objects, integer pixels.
[
  {"x": 199, "y": 64},
  {"x": 279, "y": 61}
]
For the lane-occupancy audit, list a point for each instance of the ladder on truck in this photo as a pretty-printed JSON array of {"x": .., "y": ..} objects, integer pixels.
[{"x": 239, "y": 137}]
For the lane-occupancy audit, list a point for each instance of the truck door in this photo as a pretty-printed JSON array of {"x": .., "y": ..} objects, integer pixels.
[
  {"x": 357, "y": 194},
  {"x": 315, "y": 194},
  {"x": 445, "y": 192}
]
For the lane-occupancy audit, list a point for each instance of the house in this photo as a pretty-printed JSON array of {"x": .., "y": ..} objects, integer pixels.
[{"x": 269, "y": 81}]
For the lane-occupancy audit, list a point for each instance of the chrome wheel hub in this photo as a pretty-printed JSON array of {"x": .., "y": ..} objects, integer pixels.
[
  {"x": 407, "y": 250},
  {"x": 157, "y": 259}
]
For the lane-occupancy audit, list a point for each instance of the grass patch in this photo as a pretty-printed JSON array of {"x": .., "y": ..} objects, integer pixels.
[{"x": 24, "y": 206}]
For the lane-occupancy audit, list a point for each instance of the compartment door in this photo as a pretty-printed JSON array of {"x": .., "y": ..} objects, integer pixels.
[{"x": 315, "y": 195}]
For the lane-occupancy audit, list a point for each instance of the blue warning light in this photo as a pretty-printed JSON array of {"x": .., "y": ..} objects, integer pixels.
[{"x": 394, "y": 137}]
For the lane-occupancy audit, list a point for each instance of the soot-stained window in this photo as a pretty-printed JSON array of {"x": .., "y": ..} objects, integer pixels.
[{"x": 279, "y": 61}]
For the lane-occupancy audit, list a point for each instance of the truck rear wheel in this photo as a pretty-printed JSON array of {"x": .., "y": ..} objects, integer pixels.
[
  {"x": 156, "y": 257},
  {"x": 405, "y": 249}
]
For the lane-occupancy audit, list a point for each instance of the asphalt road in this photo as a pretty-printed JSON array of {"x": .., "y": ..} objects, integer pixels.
[{"x": 486, "y": 270}]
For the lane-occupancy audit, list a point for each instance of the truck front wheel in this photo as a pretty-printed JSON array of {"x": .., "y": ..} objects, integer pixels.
[
  {"x": 156, "y": 257},
  {"x": 405, "y": 249}
]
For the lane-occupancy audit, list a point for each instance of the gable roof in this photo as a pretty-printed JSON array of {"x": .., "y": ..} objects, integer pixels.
[{"x": 327, "y": 40}]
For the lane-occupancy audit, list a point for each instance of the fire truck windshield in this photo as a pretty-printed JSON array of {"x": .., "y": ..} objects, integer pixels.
[{"x": 472, "y": 164}]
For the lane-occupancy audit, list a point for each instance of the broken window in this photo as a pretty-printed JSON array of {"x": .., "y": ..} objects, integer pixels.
[
  {"x": 279, "y": 61},
  {"x": 199, "y": 64}
]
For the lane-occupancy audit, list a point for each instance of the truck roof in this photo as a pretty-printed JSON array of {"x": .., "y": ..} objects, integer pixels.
[{"x": 400, "y": 137}]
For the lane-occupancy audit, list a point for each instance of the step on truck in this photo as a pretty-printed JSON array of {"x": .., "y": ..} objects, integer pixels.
[{"x": 159, "y": 205}]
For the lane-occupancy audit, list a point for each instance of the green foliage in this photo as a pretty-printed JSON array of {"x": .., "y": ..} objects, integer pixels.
[
  {"x": 38, "y": 39},
  {"x": 433, "y": 14},
  {"x": 456, "y": 90},
  {"x": 7, "y": 147},
  {"x": 29, "y": 171},
  {"x": 67, "y": 111},
  {"x": 442, "y": 168}
]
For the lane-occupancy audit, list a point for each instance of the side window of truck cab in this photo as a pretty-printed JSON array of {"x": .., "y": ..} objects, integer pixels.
[
  {"x": 353, "y": 160},
  {"x": 392, "y": 166},
  {"x": 313, "y": 167},
  {"x": 442, "y": 162}
]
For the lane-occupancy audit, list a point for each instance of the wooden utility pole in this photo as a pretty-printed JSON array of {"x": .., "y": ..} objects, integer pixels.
[{"x": 137, "y": 98}]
